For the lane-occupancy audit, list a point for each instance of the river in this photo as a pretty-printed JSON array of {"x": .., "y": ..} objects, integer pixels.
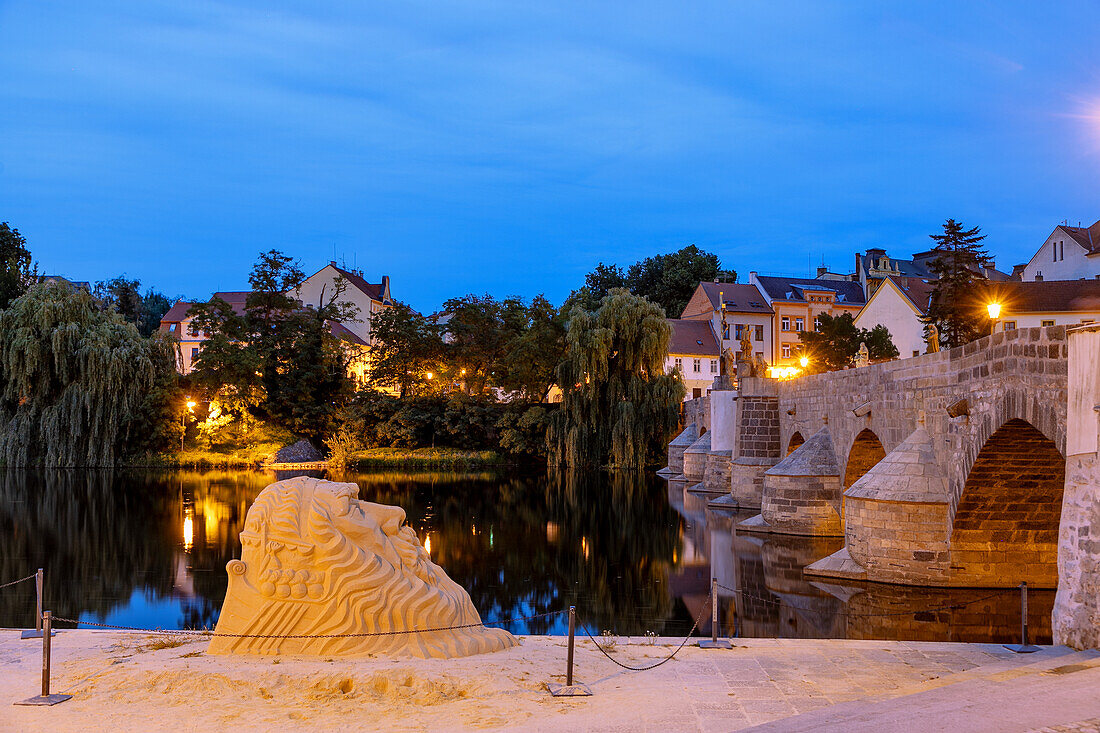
[{"x": 635, "y": 556}]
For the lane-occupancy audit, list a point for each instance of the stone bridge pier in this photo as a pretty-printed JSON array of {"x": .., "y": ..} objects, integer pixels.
[{"x": 974, "y": 467}]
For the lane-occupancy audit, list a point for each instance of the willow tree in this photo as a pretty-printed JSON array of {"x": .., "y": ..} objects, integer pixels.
[
  {"x": 619, "y": 407},
  {"x": 75, "y": 380}
]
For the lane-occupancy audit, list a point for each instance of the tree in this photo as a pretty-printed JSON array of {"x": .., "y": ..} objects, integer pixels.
[
  {"x": 121, "y": 294},
  {"x": 405, "y": 347},
  {"x": 17, "y": 273},
  {"x": 958, "y": 265},
  {"x": 479, "y": 329},
  {"x": 530, "y": 359},
  {"x": 835, "y": 342},
  {"x": 154, "y": 304},
  {"x": 78, "y": 385},
  {"x": 619, "y": 406},
  {"x": 278, "y": 360},
  {"x": 667, "y": 280}
]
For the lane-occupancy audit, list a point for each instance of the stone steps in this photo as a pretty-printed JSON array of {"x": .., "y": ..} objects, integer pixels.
[{"x": 1056, "y": 689}]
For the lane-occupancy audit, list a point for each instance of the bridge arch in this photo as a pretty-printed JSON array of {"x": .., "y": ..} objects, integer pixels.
[
  {"x": 795, "y": 441},
  {"x": 866, "y": 451},
  {"x": 1006, "y": 518}
]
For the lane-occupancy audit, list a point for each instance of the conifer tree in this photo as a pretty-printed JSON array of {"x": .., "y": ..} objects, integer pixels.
[
  {"x": 619, "y": 407},
  {"x": 958, "y": 265}
]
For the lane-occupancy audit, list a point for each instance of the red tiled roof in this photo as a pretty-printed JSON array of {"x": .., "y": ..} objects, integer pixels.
[
  {"x": 692, "y": 337},
  {"x": 177, "y": 312},
  {"x": 180, "y": 309},
  {"x": 918, "y": 291},
  {"x": 740, "y": 298},
  {"x": 374, "y": 291}
]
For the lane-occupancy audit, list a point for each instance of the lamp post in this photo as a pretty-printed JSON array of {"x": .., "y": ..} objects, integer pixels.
[
  {"x": 994, "y": 313},
  {"x": 183, "y": 420}
]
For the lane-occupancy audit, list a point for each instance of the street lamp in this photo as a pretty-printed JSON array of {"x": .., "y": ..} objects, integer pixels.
[
  {"x": 804, "y": 361},
  {"x": 994, "y": 313},
  {"x": 183, "y": 419}
]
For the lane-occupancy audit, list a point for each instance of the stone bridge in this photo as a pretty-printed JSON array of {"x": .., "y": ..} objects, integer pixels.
[{"x": 947, "y": 469}]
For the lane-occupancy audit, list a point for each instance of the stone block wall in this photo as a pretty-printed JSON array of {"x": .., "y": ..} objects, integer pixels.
[
  {"x": 903, "y": 542},
  {"x": 747, "y": 480},
  {"x": 807, "y": 505},
  {"x": 758, "y": 427},
  {"x": 716, "y": 474},
  {"x": 695, "y": 459}
]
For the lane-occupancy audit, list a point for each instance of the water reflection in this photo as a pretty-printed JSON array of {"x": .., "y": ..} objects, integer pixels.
[{"x": 633, "y": 554}]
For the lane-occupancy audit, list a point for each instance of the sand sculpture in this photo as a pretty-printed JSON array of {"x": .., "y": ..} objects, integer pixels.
[{"x": 317, "y": 563}]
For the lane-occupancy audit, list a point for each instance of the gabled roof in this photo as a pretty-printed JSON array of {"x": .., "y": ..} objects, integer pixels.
[
  {"x": 694, "y": 338},
  {"x": 1042, "y": 296},
  {"x": 177, "y": 312},
  {"x": 374, "y": 291},
  {"x": 182, "y": 308},
  {"x": 1087, "y": 237},
  {"x": 916, "y": 290},
  {"x": 739, "y": 298},
  {"x": 790, "y": 289}
]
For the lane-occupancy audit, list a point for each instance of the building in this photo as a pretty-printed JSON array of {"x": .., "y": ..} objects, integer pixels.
[
  {"x": 1042, "y": 303},
  {"x": 75, "y": 284},
  {"x": 368, "y": 297},
  {"x": 797, "y": 302},
  {"x": 1056, "y": 261},
  {"x": 693, "y": 350},
  {"x": 745, "y": 307},
  {"x": 179, "y": 323},
  {"x": 874, "y": 266},
  {"x": 899, "y": 303}
]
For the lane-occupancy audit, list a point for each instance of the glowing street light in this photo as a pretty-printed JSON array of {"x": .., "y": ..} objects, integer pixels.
[
  {"x": 804, "y": 361},
  {"x": 994, "y": 313}
]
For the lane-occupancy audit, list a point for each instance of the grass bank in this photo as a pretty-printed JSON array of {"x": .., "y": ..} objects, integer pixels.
[{"x": 424, "y": 458}]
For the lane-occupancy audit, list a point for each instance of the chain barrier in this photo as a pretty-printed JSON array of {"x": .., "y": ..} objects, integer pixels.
[
  {"x": 945, "y": 607},
  {"x": 212, "y": 634},
  {"x": 32, "y": 576},
  {"x": 669, "y": 658}
]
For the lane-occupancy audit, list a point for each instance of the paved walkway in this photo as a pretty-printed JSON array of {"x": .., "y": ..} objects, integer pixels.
[{"x": 123, "y": 682}]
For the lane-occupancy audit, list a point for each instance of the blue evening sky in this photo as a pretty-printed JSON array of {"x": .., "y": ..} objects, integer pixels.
[{"x": 508, "y": 147}]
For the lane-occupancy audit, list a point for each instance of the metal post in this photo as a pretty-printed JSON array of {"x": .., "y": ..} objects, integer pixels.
[
  {"x": 38, "y": 610},
  {"x": 45, "y": 698},
  {"x": 713, "y": 642},
  {"x": 38, "y": 578},
  {"x": 569, "y": 656},
  {"x": 1023, "y": 647},
  {"x": 569, "y": 689}
]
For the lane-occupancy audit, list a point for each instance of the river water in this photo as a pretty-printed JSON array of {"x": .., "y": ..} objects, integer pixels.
[{"x": 148, "y": 549}]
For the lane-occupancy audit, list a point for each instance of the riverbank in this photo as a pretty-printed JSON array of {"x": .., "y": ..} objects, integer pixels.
[
  {"x": 132, "y": 682},
  {"x": 257, "y": 457}
]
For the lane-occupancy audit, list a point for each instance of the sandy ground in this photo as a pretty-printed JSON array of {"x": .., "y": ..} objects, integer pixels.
[{"x": 125, "y": 682}]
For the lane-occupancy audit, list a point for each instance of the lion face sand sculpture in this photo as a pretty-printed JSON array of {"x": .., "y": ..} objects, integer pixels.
[{"x": 316, "y": 561}]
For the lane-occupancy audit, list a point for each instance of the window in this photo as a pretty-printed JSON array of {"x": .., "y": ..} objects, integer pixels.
[
  {"x": 192, "y": 329},
  {"x": 696, "y": 392},
  {"x": 759, "y": 332},
  {"x": 737, "y": 332},
  {"x": 817, "y": 324},
  {"x": 194, "y": 353},
  {"x": 916, "y": 352},
  {"x": 726, "y": 331},
  {"x": 799, "y": 324},
  {"x": 713, "y": 366},
  {"x": 697, "y": 365},
  {"x": 1047, "y": 323},
  {"x": 786, "y": 351},
  {"x": 1010, "y": 325},
  {"x": 786, "y": 321},
  {"x": 172, "y": 327},
  {"x": 679, "y": 363}
]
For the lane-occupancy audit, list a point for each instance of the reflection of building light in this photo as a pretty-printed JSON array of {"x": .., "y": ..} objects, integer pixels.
[
  {"x": 552, "y": 532},
  {"x": 584, "y": 547},
  {"x": 188, "y": 533}
]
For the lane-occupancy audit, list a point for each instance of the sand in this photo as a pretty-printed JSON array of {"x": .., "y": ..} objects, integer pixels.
[{"x": 124, "y": 682}]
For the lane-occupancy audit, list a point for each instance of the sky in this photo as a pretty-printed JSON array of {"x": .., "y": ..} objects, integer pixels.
[{"x": 508, "y": 148}]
